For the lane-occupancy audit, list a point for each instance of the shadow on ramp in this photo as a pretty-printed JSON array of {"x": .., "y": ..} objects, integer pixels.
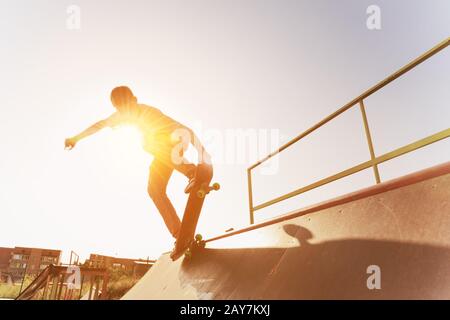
[{"x": 328, "y": 270}]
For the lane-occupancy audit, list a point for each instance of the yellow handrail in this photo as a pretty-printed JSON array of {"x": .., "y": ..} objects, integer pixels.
[{"x": 374, "y": 160}]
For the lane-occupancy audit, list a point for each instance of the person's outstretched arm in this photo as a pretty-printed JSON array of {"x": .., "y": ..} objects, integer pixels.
[{"x": 71, "y": 142}]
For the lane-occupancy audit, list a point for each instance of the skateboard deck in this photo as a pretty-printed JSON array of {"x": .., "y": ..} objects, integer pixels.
[{"x": 197, "y": 193}]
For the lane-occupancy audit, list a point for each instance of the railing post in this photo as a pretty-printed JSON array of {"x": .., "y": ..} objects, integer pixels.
[
  {"x": 81, "y": 287},
  {"x": 250, "y": 195},
  {"x": 47, "y": 281},
  {"x": 91, "y": 288},
  {"x": 105, "y": 286},
  {"x": 369, "y": 140}
]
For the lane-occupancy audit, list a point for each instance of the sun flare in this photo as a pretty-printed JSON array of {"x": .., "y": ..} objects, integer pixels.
[{"x": 127, "y": 138}]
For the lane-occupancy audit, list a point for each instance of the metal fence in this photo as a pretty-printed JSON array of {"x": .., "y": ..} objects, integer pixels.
[{"x": 374, "y": 160}]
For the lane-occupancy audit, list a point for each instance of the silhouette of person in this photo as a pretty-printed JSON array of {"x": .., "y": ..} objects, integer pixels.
[{"x": 163, "y": 137}]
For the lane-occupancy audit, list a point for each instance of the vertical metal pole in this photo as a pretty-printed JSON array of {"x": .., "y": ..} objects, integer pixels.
[
  {"x": 369, "y": 140},
  {"x": 91, "y": 281},
  {"x": 47, "y": 281},
  {"x": 81, "y": 287},
  {"x": 23, "y": 278},
  {"x": 97, "y": 287},
  {"x": 250, "y": 195},
  {"x": 60, "y": 286},
  {"x": 54, "y": 287},
  {"x": 105, "y": 285}
]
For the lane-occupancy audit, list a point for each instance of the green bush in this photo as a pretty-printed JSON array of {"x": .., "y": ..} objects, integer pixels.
[
  {"x": 120, "y": 281},
  {"x": 11, "y": 291}
]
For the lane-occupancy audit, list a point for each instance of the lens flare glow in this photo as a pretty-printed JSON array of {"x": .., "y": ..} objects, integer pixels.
[{"x": 127, "y": 138}]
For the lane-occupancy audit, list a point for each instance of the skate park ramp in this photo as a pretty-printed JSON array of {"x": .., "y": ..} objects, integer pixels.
[{"x": 399, "y": 228}]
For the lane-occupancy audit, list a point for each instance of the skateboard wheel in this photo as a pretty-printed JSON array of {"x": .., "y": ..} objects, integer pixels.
[
  {"x": 198, "y": 237},
  {"x": 216, "y": 186},
  {"x": 201, "y": 193}
]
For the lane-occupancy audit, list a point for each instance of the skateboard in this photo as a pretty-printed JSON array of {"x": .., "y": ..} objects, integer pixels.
[{"x": 198, "y": 188}]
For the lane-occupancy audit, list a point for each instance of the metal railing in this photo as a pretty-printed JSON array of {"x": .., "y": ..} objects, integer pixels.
[
  {"x": 374, "y": 160},
  {"x": 52, "y": 284}
]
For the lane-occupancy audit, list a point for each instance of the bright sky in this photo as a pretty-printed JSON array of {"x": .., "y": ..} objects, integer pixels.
[{"x": 220, "y": 67}]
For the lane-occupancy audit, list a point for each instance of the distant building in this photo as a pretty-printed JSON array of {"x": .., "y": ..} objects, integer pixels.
[
  {"x": 137, "y": 266},
  {"x": 5, "y": 257},
  {"x": 31, "y": 261}
]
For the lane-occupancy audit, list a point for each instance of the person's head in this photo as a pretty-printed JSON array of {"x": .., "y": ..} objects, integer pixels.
[{"x": 122, "y": 97}]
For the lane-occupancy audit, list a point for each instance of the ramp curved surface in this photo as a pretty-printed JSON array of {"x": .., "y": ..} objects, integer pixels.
[{"x": 329, "y": 251}]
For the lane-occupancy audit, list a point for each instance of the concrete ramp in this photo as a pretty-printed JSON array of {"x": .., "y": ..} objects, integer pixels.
[{"x": 397, "y": 232}]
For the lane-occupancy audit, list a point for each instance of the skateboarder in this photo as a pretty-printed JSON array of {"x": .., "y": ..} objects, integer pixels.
[{"x": 163, "y": 137}]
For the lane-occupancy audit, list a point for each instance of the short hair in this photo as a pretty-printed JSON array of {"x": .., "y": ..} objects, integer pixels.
[{"x": 121, "y": 95}]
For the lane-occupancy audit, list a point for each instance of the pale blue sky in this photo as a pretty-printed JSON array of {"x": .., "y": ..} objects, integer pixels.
[{"x": 221, "y": 65}]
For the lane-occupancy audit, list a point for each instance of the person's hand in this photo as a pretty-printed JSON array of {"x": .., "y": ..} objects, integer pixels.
[{"x": 70, "y": 143}]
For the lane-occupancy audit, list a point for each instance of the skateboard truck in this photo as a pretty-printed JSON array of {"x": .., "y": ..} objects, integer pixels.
[
  {"x": 197, "y": 243},
  {"x": 204, "y": 191}
]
